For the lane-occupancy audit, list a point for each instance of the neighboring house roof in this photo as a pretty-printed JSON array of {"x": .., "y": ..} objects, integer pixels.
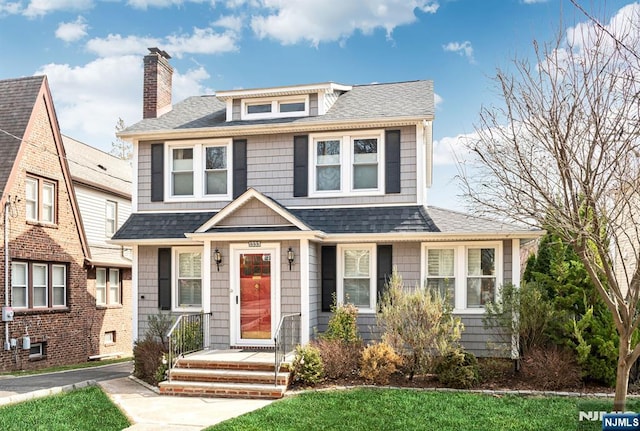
[
  {"x": 17, "y": 98},
  {"x": 411, "y": 100},
  {"x": 95, "y": 168}
]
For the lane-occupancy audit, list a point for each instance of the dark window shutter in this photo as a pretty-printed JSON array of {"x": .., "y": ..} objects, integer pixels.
[
  {"x": 239, "y": 167},
  {"x": 157, "y": 172},
  {"x": 392, "y": 161},
  {"x": 328, "y": 276},
  {"x": 300, "y": 166},
  {"x": 164, "y": 278},
  {"x": 385, "y": 268}
]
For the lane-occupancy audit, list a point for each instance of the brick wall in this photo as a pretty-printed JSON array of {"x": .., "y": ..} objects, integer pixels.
[{"x": 65, "y": 330}]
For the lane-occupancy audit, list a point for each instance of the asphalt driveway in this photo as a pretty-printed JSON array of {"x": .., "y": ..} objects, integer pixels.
[{"x": 20, "y": 385}]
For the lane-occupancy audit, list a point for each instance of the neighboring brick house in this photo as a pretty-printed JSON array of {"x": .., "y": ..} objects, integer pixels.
[
  {"x": 256, "y": 203},
  {"x": 102, "y": 185},
  {"x": 42, "y": 230}
]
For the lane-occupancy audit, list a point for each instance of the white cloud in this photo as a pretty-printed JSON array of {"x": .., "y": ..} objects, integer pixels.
[
  {"x": 464, "y": 49},
  {"x": 201, "y": 41},
  {"x": 145, "y": 4},
  {"x": 72, "y": 31},
  {"x": 10, "y": 8},
  {"x": 233, "y": 23},
  {"x": 293, "y": 21},
  {"x": 42, "y": 7},
  {"x": 451, "y": 150},
  {"x": 437, "y": 100},
  {"x": 534, "y": 1},
  {"x": 90, "y": 99}
]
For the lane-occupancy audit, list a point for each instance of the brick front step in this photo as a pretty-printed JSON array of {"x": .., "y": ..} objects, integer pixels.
[
  {"x": 224, "y": 390},
  {"x": 217, "y": 375},
  {"x": 226, "y": 365}
]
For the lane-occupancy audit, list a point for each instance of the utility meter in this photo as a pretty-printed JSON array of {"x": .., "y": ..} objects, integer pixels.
[{"x": 7, "y": 314}]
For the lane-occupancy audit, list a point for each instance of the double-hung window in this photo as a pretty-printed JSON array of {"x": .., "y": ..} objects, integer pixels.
[
  {"x": 199, "y": 170},
  {"x": 466, "y": 273},
  {"x": 278, "y": 107},
  {"x": 107, "y": 286},
  {"x": 441, "y": 272},
  {"x": 357, "y": 278},
  {"x": 188, "y": 277},
  {"x": 481, "y": 276},
  {"x": 111, "y": 218},
  {"x": 38, "y": 285},
  {"x": 347, "y": 164},
  {"x": 40, "y": 198}
]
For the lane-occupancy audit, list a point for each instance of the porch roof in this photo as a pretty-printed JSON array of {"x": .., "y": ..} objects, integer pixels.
[{"x": 161, "y": 225}]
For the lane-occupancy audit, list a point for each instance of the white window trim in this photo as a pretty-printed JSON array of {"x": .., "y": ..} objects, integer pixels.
[
  {"x": 460, "y": 269},
  {"x": 275, "y": 107},
  {"x": 175, "y": 274},
  {"x": 64, "y": 286},
  {"x": 199, "y": 177},
  {"x": 373, "y": 289},
  {"x": 39, "y": 354},
  {"x": 24, "y": 265},
  {"x": 456, "y": 264},
  {"x": 110, "y": 288},
  {"x": 40, "y": 184},
  {"x": 346, "y": 163},
  {"x": 106, "y": 283},
  {"x": 114, "y": 205},
  {"x": 47, "y": 279}
]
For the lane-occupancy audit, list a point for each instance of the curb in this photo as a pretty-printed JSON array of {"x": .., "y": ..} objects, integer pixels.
[{"x": 18, "y": 398}]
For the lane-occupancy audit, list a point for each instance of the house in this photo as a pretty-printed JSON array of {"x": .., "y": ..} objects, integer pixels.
[
  {"x": 254, "y": 204},
  {"x": 102, "y": 185},
  {"x": 46, "y": 308}
]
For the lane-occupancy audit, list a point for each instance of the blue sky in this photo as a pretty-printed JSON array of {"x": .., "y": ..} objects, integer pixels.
[{"x": 91, "y": 51}]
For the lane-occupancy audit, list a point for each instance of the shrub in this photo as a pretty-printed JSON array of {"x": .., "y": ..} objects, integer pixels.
[
  {"x": 420, "y": 321},
  {"x": 458, "y": 369},
  {"x": 307, "y": 365},
  {"x": 379, "y": 362},
  {"x": 147, "y": 359},
  {"x": 339, "y": 359},
  {"x": 188, "y": 337},
  {"x": 551, "y": 368},
  {"x": 158, "y": 327},
  {"x": 343, "y": 324}
]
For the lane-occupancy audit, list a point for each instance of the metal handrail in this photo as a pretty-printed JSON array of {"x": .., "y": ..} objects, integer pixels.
[
  {"x": 188, "y": 334},
  {"x": 286, "y": 338}
]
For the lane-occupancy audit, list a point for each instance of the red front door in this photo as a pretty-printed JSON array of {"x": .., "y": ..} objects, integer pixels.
[{"x": 255, "y": 296}]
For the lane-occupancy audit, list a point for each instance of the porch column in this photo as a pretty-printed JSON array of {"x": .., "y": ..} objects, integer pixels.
[
  {"x": 206, "y": 289},
  {"x": 515, "y": 280},
  {"x": 134, "y": 293},
  {"x": 304, "y": 291}
]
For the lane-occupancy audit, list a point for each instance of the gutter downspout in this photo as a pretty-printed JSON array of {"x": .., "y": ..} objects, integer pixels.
[{"x": 7, "y": 345}]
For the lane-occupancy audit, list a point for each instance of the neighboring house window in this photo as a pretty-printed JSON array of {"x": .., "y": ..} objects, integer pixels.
[
  {"x": 107, "y": 286},
  {"x": 201, "y": 170},
  {"x": 481, "y": 276},
  {"x": 40, "y": 197},
  {"x": 111, "y": 218},
  {"x": 297, "y": 106},
  {"x": 38, "y": 285},
  {"x": 357, "y": 279},
  {"x": 109, "y": 338},
  {"x": 441, "y": 272},
  {"x": 349, "y": 164},
  {"x": 188, "y": 277},
  {"x": 37, "y": 351}
]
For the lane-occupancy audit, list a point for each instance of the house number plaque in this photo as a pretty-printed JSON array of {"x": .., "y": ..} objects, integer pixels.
[{"x": 255, "y": 244}]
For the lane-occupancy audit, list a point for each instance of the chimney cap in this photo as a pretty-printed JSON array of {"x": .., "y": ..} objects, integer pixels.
[{"x": 156, "y": 50}]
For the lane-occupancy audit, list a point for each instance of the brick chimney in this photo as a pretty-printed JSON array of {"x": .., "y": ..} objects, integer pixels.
[{"x": 156, "y": 97}]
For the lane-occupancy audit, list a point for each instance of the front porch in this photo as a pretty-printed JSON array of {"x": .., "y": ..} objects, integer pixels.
[{"x": 230, "y": 373}]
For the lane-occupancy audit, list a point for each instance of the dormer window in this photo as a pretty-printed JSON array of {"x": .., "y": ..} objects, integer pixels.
[{"x": 278, "y": 107}]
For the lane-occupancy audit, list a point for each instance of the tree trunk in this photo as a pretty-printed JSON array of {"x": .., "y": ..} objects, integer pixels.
[{"x": 622, "y": 374}]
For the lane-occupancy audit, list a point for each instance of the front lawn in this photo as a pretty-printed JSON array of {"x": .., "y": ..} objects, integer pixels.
[
  {"x": 403, "y": 409},
  {"x": 81, "y": 410}
]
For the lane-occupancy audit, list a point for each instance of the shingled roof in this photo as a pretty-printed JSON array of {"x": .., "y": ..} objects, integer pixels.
[
  {"x": 410, "y": 99},
  {"x": 17, "y": 99},
  {"x": 93, "y": 167}
]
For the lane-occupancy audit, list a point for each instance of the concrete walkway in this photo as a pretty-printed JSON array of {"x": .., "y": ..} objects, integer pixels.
[
  {"x": 143, "y": 406},
  {"x": 149, "y": 411}
]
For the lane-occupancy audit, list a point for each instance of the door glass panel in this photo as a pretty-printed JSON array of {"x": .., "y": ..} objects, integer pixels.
[{"x": 255, "y": 296}]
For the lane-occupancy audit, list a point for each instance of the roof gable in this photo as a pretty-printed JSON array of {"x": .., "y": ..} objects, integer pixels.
[
  {"x": 18, "y": 97},
  {"x": 274, "y": 214}
]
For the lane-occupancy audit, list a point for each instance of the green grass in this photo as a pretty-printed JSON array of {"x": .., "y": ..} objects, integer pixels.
[
  {"x": 89, "y": 364},
  {"x": 389, "y": 409},
  {"x": 81, "y": 410}
]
